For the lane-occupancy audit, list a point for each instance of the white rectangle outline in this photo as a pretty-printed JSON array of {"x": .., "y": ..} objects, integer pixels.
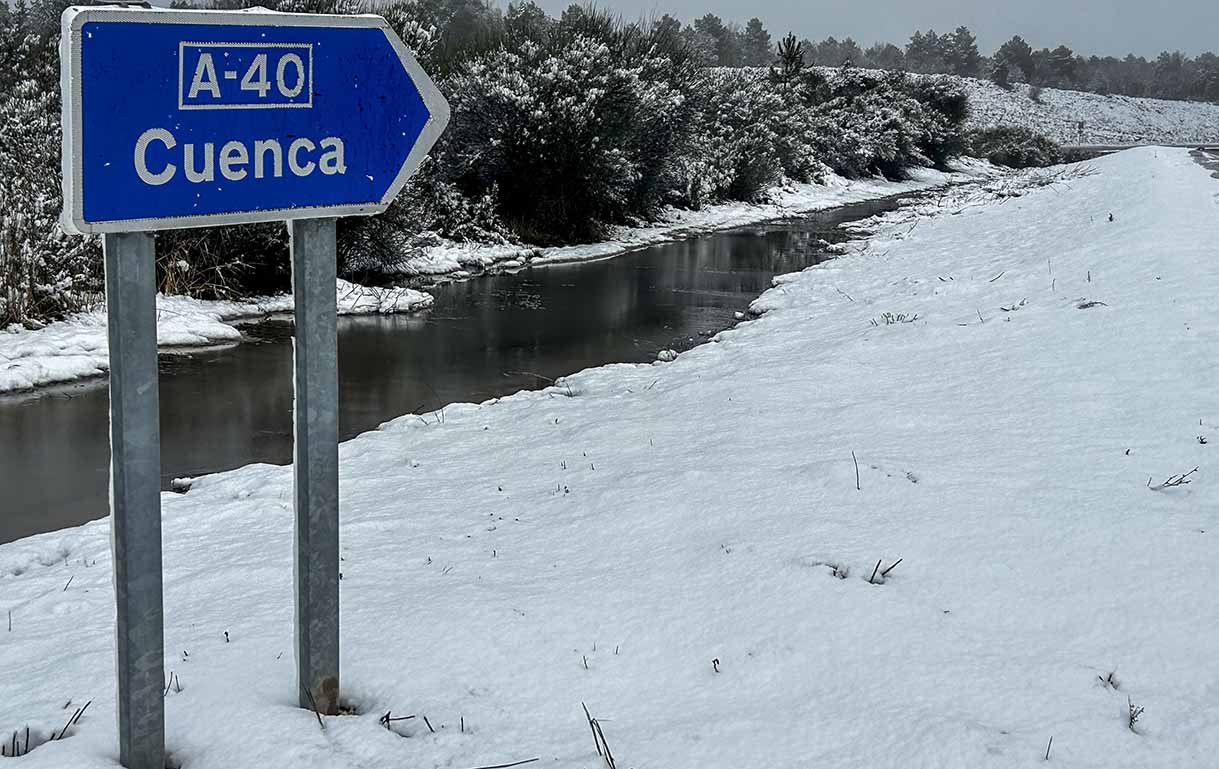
[
  {"x": 72, "y": 219},
  {"x": 182, "y": 44}
]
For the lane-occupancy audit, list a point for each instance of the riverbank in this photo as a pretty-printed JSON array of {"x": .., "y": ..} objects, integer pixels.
[
  {"x": 76, "y": 348},
  {"x": 446, "y": 260},
  {"x": 1018, "y": 377}
]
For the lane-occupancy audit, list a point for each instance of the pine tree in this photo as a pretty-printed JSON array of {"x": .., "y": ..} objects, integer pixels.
[
  {"x": 961, "y": 52},
  {"x": 1062, "y": 66},
  {"x": 926, "y": 52},
  {"x": 885, "y": 56},
  {"x": 790, "y": 61},
  {"x": 1001, "y": 74},
  {"x": 727, "y": 47},
  {"x": 1017, "y": 54},
  {"x": 756, "y": 49}
]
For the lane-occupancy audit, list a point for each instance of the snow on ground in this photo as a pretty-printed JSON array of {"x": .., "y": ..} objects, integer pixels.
[
  {"x": 459, "y": 260},
  {"x": 619, "y": 538},
  {"x": 1106, "y": 119},
  {"x": 76, "y": 348}
]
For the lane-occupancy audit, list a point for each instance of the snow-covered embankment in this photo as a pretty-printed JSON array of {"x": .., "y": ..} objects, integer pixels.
[
  {"x": 76, "y": 348},
  {"x": 688, "y": 547}
]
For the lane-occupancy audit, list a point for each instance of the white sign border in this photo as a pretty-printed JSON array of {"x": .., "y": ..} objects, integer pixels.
[{"x": 74, "y": 18}]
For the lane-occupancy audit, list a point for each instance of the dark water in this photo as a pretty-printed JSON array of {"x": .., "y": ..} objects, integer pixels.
[{"x": 226, "y": 408}]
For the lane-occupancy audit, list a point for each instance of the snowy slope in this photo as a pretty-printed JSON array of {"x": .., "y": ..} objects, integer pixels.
[
  {"x": 618, "y": 538},
  {"x": 1106, "y": 119}
]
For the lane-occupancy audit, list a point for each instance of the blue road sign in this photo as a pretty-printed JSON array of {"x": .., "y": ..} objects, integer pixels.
[{"x": 191, "y": 118}]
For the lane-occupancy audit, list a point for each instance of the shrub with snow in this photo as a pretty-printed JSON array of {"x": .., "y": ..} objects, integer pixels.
[
  {"x": 43, "y": 272},
  {"x": 1015, "y": 147},
  {"x": 574, "y": 124}
]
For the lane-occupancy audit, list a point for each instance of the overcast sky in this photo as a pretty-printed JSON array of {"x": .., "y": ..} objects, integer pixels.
[{"x": 1102, "y": 27}]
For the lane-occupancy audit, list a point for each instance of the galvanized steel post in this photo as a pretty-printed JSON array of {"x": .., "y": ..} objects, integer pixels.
[
  {"x": 316, "y": 464},
  {"x": 135, "y": 497}
]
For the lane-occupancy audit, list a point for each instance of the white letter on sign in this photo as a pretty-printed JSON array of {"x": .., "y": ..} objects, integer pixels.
[
  {"x": 188, "y": 161},
  {"x": 232, "y": 158},
  {"x": 331, "y": 161},
  {"x": 294, "y": 162},
  {"x": 205, "y": 78},
  {"x": 141, "y": 162}
]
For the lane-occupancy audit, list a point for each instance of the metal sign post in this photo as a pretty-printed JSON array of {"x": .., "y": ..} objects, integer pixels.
[
  {"x": 206, "y": 118},
  {"x": 315, "y": 465},
  {"x": 135, "y": 497}
]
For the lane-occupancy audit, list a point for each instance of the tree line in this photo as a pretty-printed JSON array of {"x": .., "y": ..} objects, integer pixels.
[{"x": 1171, "y": 75}]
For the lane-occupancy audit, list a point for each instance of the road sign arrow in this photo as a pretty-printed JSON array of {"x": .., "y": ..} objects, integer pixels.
[{"x": 194, "y": 118}]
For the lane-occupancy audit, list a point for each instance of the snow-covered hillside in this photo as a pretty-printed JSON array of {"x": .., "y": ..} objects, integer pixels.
[
  {"x": 1106, "y": 119},
  {"x": 689, "y": 548}
]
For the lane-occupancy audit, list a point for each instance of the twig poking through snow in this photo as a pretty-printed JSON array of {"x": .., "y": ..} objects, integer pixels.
[
  {"x": 593, "y": 729},
  {"x": 1173, "y": 481},
  {"x": 885, "y": 573},
  {"x": 1049, "y": 745},
  {"x": 312, "y": 702},
  {"x": 856, "y": 461},
  {"x": 874, "y": 573},
  {"x": 599, "y": 742},
  {"x": 1134, "y": 714}
]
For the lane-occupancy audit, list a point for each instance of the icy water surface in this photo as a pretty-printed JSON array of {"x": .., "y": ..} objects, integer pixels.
[{"x": 486, "y": 337}]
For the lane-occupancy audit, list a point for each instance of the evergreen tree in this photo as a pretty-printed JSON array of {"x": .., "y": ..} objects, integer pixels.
[
  {"x": 961, "y": 52},
  {"x": 885, "y": 56},
  {"x": 1062, "y": 66},
  {"x": 666, "y": 26},
  {"x": 727, "y": 46},
  {"x": 1018, "y": 55},
  {"x": 1170, "y": 74},
  {"x": 790, "y": 61},
  {"x": 925, "y": 52},
  {"x": 1001, "y": 74},
  {"x": 849, "y": 52},
  {"x": 828, "y": 52},
  {"x": 702, "y": 46},
  {"x": 756, "y": 49}
]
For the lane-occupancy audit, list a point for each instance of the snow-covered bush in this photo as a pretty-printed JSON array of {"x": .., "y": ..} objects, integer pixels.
[
  {"x": 1015, "y": 147},
  {"x": 43, "y": 272},
  {"x": 884, "y": 123},
  {"x": 734, "y": 153},
  {"x": 575, "y": 125}
]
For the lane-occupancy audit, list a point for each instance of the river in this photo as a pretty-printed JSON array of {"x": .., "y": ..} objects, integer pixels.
[{"x": 485, "y": 337}]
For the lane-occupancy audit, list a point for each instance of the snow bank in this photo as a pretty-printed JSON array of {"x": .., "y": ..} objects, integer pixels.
[
  {"x": 1106, "y": 119},
  {"x": 76, "y": 347},
  {"x": 446, "y": 258},
  {"x": 684, "y": 548}
]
